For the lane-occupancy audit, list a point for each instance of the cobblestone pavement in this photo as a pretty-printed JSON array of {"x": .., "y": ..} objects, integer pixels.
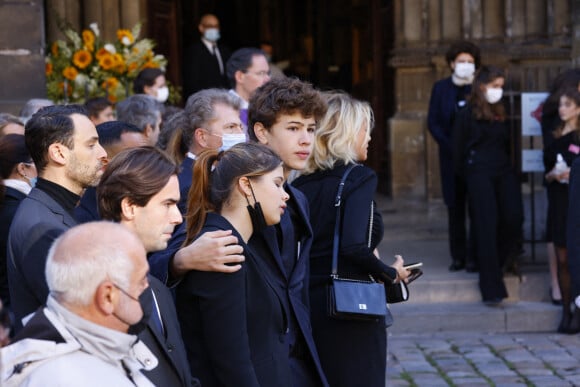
[{"x": 483, "y": 359}]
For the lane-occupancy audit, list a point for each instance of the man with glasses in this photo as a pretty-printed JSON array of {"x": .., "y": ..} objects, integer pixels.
[{"x": 247, "y": 69}]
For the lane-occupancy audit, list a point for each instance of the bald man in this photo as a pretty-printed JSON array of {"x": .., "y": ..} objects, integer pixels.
[
  {"x": 204, "y": 60},
  {"x": 98, "y": 290}
]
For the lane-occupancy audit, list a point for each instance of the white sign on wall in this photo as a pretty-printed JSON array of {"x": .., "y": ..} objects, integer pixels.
[
  {"x": 532, "y": 113},
  {"x": 532, "y": 160}
]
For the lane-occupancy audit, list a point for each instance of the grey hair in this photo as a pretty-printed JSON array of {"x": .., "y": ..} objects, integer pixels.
[
  {"x": 78, "y": 262},
  {"x": 139, "y": 110}
]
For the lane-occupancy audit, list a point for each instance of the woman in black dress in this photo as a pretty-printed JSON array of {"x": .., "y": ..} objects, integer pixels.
[
  {"x": 566, "y": 143},
  {"x": 352, "y": 353}
]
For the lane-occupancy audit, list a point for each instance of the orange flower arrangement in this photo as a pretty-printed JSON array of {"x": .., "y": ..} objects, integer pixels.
[{"x": 85, "y": 66}]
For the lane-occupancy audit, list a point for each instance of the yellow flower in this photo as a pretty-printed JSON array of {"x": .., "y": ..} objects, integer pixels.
[
  {"x": 48, "y": 69},
  {"x": 125, "y": 37},
  {"x": 70, "y": 73},
  {"x": 54, "y": 49},
  {"x": 119, "y": 63},
  {"x": 89, "y": 39},
  {"x": 82, "y": 58},
  {"x": 101, "y": 52},
  {"x": 150, "y": 65},
  {"x": 110, "y": 83},
  {"x": 107, "y": 61}
]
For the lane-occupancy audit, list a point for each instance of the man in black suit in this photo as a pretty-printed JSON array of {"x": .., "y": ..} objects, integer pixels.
[
  {"x": 140, "y": 190},
  {"x": 64, "y": 145},
  {"x": 204, "y": 60}
]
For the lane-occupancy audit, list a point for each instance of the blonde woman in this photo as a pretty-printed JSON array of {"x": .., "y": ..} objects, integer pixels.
[{"x": 353, "y": 353}]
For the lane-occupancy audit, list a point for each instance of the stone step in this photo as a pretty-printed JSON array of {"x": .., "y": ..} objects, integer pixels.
[
  {"x": 464, "y": 287},
  {"x": 522, "y": 316}
]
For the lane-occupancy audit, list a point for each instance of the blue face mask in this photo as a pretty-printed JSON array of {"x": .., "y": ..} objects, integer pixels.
[
  {"x": 212, "y": 34},
  {"x": 32, "y": 181}
]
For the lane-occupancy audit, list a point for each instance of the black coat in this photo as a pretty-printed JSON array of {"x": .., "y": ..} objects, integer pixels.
[
  {"x": 292, "y": 285},
  {"x": 38, "y": 221},
  {"x": 173, "y": 368},
  {"x": 573, "y": 228},
  {"x": 88, "y": 207},
  {"x": 352, "y": 353},
  {"x": 201, "y": 69},
  {"x": 233, "y": 324},
  {"x": 185, "y": 178},
  {"x": 8, "y": 206}
]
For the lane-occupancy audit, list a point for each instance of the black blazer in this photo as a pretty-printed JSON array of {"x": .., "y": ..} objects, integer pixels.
[
  {"x": 173, "y": 369},
  {"x": 573, "y": 228},
  {"x": 234, "y": 325},
  {"x": 440, "y": 118},
  {"x": 185, "y": 178},
  {"x": 292, "y": 286},
  {"x": 8, "y": 207},
  {"x": 88, "y": 207},
  {"x": 201, "y": 68},
  {"x": 38, "y": 221}
]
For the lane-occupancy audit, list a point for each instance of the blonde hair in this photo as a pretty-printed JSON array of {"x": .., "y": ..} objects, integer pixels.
[{"x": 336, "y": 136}]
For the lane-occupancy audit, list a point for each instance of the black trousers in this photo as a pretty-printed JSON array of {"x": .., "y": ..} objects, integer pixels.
[
  {"x": 497, "y": 217},
  {"x": 457, "y": 217}
]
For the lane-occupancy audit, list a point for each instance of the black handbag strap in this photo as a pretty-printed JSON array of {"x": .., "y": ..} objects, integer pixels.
[{"x": 337, "y": 204}]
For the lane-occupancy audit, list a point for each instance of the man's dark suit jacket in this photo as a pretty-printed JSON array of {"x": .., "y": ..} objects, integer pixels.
[
  {"x": 201, "y": 69},
  {"x": 39, "y": 220},
  {"x": 87, "y": 210},
  {"x": 185, "y": 177},
  {"x": 292, "y": 286},
  {"x": 442, "y": 109},
  {"x": 8, "y": 207},
  {"x": 173, "y": 368}
]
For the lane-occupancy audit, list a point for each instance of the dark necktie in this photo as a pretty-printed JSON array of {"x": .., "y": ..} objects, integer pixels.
[{"x": 218, "y": 57}]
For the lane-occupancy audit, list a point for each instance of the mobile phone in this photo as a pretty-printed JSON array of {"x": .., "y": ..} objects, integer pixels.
[{"x": 414, "y": 265}]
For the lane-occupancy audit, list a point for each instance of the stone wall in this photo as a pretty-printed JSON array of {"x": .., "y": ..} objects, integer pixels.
[{"x": 530, "y": 38}]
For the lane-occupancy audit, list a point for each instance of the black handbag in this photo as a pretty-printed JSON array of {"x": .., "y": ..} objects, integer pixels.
[{"x": 352, "y": 299}]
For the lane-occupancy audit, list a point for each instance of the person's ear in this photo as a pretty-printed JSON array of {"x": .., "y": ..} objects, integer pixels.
[
  {"x": 200, "y": 137},
  {"x": 244, "y": 186},
  {"x": 58, "y": 153},
  {"x": 106, "y": 298},
  {"x": 21, "y": 169},
  {"x": 127, "y": 209},
  {"x": 261, "y": 133},
  {"x": 148, "y": 131},
  {"x": 239, "y": 76}
]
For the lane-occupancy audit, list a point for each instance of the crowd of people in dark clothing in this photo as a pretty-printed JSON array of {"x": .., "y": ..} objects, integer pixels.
[
  {"x": 146, "y": 245},
  {"x": 176, "y": 249}
]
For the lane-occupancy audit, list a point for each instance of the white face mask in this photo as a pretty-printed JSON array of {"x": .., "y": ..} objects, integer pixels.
[
  {"x": 231, "y": 139},
  {"x": 464, "y": 70},
  {"x": 162, "y": 94},
  {"x": 212, "y": 34},
  {"x": 493, "y": 94}
]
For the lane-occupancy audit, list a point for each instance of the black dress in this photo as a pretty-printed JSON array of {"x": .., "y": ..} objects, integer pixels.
[
  {"x": 569, "y": 147},
  {"x": 352, "y": 353}
]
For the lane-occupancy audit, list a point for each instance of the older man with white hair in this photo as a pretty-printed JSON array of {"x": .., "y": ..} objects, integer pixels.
[{"x": 98, "y": 290}]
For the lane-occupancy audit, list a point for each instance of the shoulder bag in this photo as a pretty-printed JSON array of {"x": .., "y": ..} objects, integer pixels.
[{"x": 352, "y": 299}]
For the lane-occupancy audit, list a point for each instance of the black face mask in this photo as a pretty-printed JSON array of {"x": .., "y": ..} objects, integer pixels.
[
  {"x": 256, "y": 213},
  {"x": 146, "y": 301}
]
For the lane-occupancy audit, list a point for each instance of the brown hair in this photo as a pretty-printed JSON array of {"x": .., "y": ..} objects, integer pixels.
[
  {"x": 572, "y": 93},
  {"x": 483, "y": 110},
  {"x": 13, "y": 151},
  {"x": 283, "y": 96},
  {"x": 215, "y": 175},
  {"x": 137, "y": 174}
]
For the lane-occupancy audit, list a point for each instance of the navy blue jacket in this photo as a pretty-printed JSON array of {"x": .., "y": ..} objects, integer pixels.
[
  {"x": 88, "y": 208},
  {"x": 296, "y": 241},
  {"x": 234, "y": 324},
  {"x": 442, "y": 110},
  {"x": 185, "y": 177},
  {"x": 573, "y": 229}
]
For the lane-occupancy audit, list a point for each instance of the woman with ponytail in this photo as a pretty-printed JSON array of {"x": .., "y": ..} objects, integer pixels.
[{"x": 234, "y": 324}]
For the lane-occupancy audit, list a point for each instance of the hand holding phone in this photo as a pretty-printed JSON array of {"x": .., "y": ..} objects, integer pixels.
[{"x": 414, "y": 271}]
